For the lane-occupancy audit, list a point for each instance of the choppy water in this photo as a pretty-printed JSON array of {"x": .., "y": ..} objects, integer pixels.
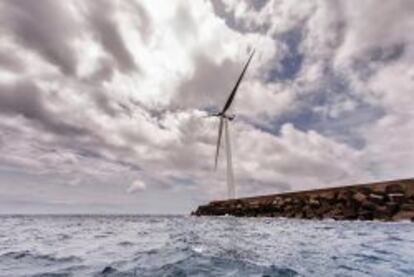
[{"x": 191, "y": 246}]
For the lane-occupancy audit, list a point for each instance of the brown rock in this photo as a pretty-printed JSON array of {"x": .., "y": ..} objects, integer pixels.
[
  {"x": 376, "y": 198},
  {"x": 324, "y": 208},
  {"x": 365, "y": 190},
  {"x": 277, "y": 201},
  {"x": 337, "y": 210},
  {"x": 344, "y": 195},
  {"x": 393, "y": 207},
  {"x": 313, "y": 202},
  {"x": 350, "y": 213},
  {"x": 394, "y": 188},
  {"x": 402, "y": 215},
  {"x": 396, "y": 197},
  {"x": 329, "y": 195},
  {"x": 382, "y": 212},
  {"x": 368, "y": 206},
  {"x": 365, "y": 215},
  {"x": 359, "y": 197},
  {"x": 407, "y": 207},
  {"x": 298, "y": 214}
]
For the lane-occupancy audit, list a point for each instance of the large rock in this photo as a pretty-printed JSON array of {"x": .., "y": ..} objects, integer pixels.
[
  {"x": 394, "y": 188},
  {"x": 350, "y": 212},
  {"x": 359, "y": 197},
  {"x": 382, "y": 213},
  {"x": 368, "y": 206},
  {"x": 376, "y": 197},
  {"x": 396, "y": 197},
  {"x": 407, "y": 207},
  {"x": 404, "y": 215},
  {"x": 365, "y": 215},
  {"x": 313, "y": 202},
  {"x": 344, "y": 195}
]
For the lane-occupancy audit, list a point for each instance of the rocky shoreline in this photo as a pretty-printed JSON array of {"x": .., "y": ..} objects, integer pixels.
[{"x": 387, "y": 201}]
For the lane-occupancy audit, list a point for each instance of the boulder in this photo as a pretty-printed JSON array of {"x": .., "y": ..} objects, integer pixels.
[
  {"x": 407, "y": 207},
  {"x": 368, "y": 206},
  {"x": 324, "y": 208},
  {"x": 382, "y": 212},
  {"x": 404, "y": 215},
  {"x": 364, "y": 190},
  {"x": 359, "y": 197},
  {"x": 394, "y": 188},
  {"x": 299, "y": 214},
  {"x": 344, "y": 195},
  {"x": 365, "y": 215},
  {"x": 393, "y": 207},
  {"x": 350, "y": 213},
  {"x": 328, "y": 195},
  {"x": 396, "y": 197},
  {"x": 376, "y": 197},
  {"x": 313, "y": 202},
  {"x": 337, "y": 210},
  {"x": 277, "y": 201}
]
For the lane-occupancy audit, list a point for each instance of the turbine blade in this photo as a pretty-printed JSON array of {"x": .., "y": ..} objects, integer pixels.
[
  {"x": 210, "y": 115},
  {"x": 220, "y": 132},
  {"x": 236, "y": 86}
]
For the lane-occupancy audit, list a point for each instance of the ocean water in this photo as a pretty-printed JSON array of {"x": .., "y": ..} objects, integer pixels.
[{"x": 204, "y": 246}]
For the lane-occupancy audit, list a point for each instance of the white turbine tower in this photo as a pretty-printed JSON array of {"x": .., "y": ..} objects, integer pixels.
[{"x": 225, "y": 119}]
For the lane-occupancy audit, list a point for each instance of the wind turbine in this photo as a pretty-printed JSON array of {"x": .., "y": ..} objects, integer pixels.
[{"x": 225, "y": 118}]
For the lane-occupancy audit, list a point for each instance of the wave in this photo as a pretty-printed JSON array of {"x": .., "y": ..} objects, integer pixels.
[
  {"x": 27, "y": 256},
  {"x": 188, "y": 246}
]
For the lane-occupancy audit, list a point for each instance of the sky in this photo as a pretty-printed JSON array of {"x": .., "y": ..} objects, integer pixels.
[{"x": 103, "y": 103}]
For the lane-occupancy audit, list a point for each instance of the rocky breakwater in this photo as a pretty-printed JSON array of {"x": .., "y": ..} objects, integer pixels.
[{"x": 388, "y": 201}]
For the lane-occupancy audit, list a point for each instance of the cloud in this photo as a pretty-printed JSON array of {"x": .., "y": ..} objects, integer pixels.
[
  {"x": 136, "y": 186},
  {"x": 47, "y": 27},
  {"x": 24, "y": 98},
  {"x": 106, "y": 32},
  {"x": 209, "y": 85}
]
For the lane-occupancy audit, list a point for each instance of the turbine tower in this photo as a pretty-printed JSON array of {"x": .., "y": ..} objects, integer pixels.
[{"x": 225, "y": 120}]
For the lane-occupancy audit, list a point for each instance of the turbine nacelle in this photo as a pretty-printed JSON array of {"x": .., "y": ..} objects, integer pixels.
[{"x": 229, "y": 116}]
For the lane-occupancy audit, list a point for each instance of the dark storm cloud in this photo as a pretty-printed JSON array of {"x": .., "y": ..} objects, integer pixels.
[
  {"x": 10, "y": 62},
  {"x": 45, "y": 26},
  {"x": 107, "y": 33},
  {"x": 210, "y": 84},
  {"x": 24, "y": 98}
]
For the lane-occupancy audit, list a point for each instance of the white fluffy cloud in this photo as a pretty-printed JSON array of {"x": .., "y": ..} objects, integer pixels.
[
  {"x": 136, "y": 186},
  {"x": 100, "y": 101}
]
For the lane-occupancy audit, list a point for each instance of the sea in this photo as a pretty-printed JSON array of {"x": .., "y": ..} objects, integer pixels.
[{"x": 131, "y": 245}]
